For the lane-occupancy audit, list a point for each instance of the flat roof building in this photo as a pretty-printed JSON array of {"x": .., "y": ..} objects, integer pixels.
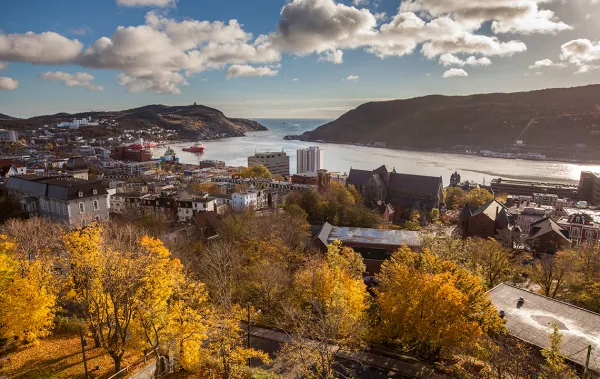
[
  {"x": 532, "y": 319},
  {"x": 529, "y": 188},
  {"x": 278, "y": 163},
  {"x": 310, "y": 160}
]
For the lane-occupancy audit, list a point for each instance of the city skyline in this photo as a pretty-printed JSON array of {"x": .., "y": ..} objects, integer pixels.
[{"x": 303, "y": 58}]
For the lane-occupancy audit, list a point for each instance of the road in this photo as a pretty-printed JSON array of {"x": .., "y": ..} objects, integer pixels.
[{"x": 365, "y": 365}]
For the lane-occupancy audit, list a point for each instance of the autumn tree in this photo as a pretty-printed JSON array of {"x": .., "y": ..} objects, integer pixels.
[
  {"x": 552, "y": 272},
  {"x": 455, "y": 197},
  {"x": 255, "y": 172},
  {"x": 479, "y": 196},
  {"x": 35, "y": 237},
  {"x": 337, "y": 205},
  {"x": 555, "y": 366},
  {"x": 27, "y": 302},
  {"x": 429, "y": 306},
  {"x": 225, "y": 354},
  {"x": 206, "y": 187},
  {"x": 122, "y": 283},
  {"x": 486, "y": 258},
  {"x": 326, "y": 312}
]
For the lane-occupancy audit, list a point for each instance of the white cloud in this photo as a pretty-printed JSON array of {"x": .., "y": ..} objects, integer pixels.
[
  {"x": 508, "y": 16},
  {"x": 581, "y": 53},
  {"x": 534, "y": 74},
  {"x": 43, "y": 48},
  {"x": 455, "y": 72},
  {"x": 447, "y": 60},
  {"x": 333, "y": 56},
  {"x": 316, "y": 26},
  {"x": 163, "y": 47},
  {"x": 239, "y": 71},
  {"x": 146, "y": 3},
  {"x": 351, "y": 78},
  {"x": 158, "y": 82},
  {"x": 357, "y": 3},
  {"x": 381, "y": 16},
  {"x": 295, "y": 80},
  {"x": 546, "y": 63},
  {"x": 8, "y": 84},
  {"x": 81, "y": 31},
  {"x": 80, "y": 79},
  {"x": 3, "y": 66}
]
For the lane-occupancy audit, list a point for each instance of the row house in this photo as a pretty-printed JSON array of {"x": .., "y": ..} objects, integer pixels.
[{"x": 581, "y": 229}]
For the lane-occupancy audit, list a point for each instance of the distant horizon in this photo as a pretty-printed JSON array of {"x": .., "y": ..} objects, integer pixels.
[
  {"x": 290, "y": 58},
  {"x": 323, "y": 117}
]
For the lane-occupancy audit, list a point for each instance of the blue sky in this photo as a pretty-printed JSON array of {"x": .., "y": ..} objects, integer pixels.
[{"x": 301, "y": 58}]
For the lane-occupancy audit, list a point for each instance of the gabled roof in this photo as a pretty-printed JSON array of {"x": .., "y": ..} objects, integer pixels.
[
  {"x": 359, "y": 177},
  {"x": 415, "y": 183},
  {"x": 491, "y": 209},
  {"x": 547, "y": 225},
  {"x": 322, "y": 236}
]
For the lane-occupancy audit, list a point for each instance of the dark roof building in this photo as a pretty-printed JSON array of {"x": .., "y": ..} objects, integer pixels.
[
  {"x": 400, "y": 190},
  {"x": 375, "y": 245},
  {"x": 546, "y": 236},
  {"x": 71, "y": 201},
  {"x": 486, "y": 221}
]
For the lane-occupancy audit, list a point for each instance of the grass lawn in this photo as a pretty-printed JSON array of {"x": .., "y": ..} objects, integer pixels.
[{"x": 59, "y": 357}]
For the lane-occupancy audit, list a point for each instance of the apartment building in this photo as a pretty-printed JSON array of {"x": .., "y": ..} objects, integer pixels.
[
  {"x": 8, "y": 136},
  {"x": 310, "y": 160},
  {"x": 278, "y": 163},
  {"x": 70, "y": 201}
]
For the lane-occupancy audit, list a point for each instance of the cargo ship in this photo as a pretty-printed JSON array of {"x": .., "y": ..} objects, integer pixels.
[{"x": 196, "y": 148}]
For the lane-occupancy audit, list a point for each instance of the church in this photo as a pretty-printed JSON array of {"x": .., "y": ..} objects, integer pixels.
[{"x": 400, "y": 190}]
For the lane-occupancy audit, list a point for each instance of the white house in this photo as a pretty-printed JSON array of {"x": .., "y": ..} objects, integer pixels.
[{"x": 244, "y": 200}]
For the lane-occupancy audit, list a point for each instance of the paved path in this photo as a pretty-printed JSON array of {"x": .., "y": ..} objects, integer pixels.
[
  {"x": 146, "y": 372},
  {"x": 409, "y": 367}
]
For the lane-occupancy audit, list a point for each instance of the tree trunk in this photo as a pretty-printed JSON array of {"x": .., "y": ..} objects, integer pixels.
[{"x": 117, "y": 361}]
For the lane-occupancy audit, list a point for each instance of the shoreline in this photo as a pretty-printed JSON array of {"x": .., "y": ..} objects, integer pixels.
[{"x": 455, "y": 152}]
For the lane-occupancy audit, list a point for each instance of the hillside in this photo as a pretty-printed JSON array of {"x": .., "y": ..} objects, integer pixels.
[
  {"x": 6, "y": 117},
  {"x": 558, "y": 119},
  {"x": 191, "y": 121}
]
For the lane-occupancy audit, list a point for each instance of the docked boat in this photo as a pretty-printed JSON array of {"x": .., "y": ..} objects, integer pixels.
[
  {"x": 196, "y": 148},
  {"x": 170, "y": 156}
]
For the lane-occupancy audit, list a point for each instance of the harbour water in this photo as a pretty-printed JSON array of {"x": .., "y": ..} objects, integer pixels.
[{"x": 340, "y": 158}]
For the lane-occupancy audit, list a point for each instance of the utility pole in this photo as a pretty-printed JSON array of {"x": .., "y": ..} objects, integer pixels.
[
  {"x": 83, "y": 345},
  {"x": 587, "y": 362}
]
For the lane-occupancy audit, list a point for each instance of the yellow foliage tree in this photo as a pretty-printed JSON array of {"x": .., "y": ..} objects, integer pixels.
[
  {"x": 125, "y": 286},
  {"x": 429, "y": 306},
  {"x": 27, "y": 302},
  {"x": 326, "y": 313},
  {"x": 255, "y": 172}
]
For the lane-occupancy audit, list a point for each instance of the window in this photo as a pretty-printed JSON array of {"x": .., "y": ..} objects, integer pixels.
[
  {"x": 81, "y": 208},
  {"x": 80, "y": 193},
  {"x": 51, "y": 206},
  {"x": 64, "y": 207},
  {"x": 96, "y": 207}
]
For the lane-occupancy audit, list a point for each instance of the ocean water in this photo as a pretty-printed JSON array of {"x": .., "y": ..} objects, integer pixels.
[{"x": 340, "y": 158}]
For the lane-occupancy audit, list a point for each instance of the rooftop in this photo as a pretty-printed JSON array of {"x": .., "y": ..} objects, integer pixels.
[
  {"x": 380, "y": 237},
  {"x": 532, "y": 322},
  {"x": 528, "y": 183}
]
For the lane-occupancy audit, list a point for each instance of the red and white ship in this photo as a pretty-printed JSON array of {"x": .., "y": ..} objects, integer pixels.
[
  {"x": 196, "y": 148},
  {"x": 141, "y": 144}
]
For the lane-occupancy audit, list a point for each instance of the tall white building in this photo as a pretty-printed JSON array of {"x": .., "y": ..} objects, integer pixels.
[
  {"x": 8, "y": 136},
  {"x": 310, "y": 160}
]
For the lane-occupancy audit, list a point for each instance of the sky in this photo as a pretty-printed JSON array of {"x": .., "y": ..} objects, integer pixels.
[{"x": 286, "y": 59}]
